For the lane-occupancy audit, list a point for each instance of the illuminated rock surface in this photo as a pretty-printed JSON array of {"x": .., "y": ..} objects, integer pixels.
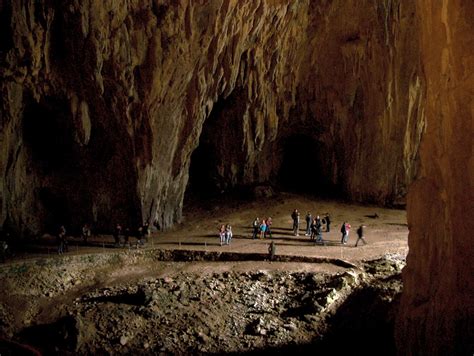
[{"x": 104, "y": 103}]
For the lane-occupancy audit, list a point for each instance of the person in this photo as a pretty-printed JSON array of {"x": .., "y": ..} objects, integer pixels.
[
  {"x": 344, "y": 233},
  {"x": 146, "y": 231},
  {"x": 62, "y": 243},
  {"x": 269, "y": 227},
  {"x": 222, "y": 234},
  {"x": 348, "y": 229},
  {"x": 272, "y": 250},
  {"x": 319, "y": 231},
  {"x": 117, "y": 233},
  {"x": 345, "y": 229},
  {"x": 296, "y": 221},
  {"x": 314, "y": 229},
  {"x": 143, "y": 234},
  {"x": 85, "y": 232},
  {"x": 328, "y": 222},
  {"x": 360, "y": 235},
  {"x": 263, "y": 228},
  {"x": 318, "y": 220},
  {"x": 256, "y": 226},
  {"x": 3, "y": 251},
  {"x": 309, "y": 221},
  {"x": 228, "y": 234},
  {"x": 126, "y": 236}
]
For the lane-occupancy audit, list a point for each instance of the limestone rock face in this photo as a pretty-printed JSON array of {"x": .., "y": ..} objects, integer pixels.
[
  {"x": 437, "y": 310},
  {"x": 104, "y": 102}
]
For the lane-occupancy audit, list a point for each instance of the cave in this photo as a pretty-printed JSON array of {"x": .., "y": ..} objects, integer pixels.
[
  {"x": 48, "y": 135},
  {"x": 219, "y": 146},
  {"x": 203, "y": 180},
  {"x": 306, "y": 167},
  {"x": 235, "y": 95}
]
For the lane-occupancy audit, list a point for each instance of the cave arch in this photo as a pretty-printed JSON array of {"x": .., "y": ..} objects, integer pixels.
[
  {"x": 306, "y": 166},
  {"x": 220, "y": 146},
  {"x": 203, "y": 181}
]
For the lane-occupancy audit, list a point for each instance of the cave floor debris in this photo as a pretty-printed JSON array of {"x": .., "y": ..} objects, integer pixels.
[{"x": 120, "y": 300}]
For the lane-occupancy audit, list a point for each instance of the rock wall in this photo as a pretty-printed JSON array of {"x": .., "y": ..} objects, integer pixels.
[
  {"x": 437, "y": 310},
  {"x": 105, "y": 101}
]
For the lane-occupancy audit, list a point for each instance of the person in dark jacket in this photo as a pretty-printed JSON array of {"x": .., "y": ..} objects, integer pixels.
[
  {"x": 344, "y": 233},
  {"x": 360, "y": 235},
  {"x": 295, "y": 215},
  {"x": 256, "y": 228},
  {"x": 328, "y": 222},
  {"x": 62, "y": 242},
  {"x": 309, "y": 221},
  {"x": 117, "y": 233}
]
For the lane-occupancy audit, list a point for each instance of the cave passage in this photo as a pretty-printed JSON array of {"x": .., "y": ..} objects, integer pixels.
[
  {"x": 202, "y": 180},
  {"x": 48, "y": 134},
  {"x": 305, "y": 167},
  {"x": 220, "y": 144}
]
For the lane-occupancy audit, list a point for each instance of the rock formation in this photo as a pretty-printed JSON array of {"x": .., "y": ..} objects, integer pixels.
[
  {"x": 437, "y": 310},
  {"x": 104, "y": 103}
]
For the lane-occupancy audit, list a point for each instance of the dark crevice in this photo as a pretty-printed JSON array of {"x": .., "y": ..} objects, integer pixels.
[
  {"x": 6, "y": 35},
  {"x": 306, "y": 167}
]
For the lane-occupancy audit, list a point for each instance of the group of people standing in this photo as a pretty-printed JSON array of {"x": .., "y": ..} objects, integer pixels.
[
  {"x": 262, "y": 228},
  {"x": 225, "y": 234},
  {"x": 121, "y": 236},
  {"x": 314, "y": 225}
]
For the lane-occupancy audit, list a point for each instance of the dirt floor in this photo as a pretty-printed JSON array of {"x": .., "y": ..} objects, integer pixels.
[
  {"x": 44, "y": 293},
  {"x": 199, "y": 230}
]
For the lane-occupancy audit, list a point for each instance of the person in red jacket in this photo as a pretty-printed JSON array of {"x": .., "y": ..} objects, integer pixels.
[{"x": 345, "y": 229}]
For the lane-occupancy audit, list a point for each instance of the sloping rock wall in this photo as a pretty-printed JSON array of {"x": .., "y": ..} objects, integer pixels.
[
  {"x": 437, "y": 309},
  {"x": 104, "y": 101}
]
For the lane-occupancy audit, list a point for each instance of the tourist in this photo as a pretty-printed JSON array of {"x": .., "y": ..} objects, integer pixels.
[
  {"x": 62, "y": 242},
  {"x": 126, "y": 236},
  {"x": 344, "y": 233},
  {"x": 319, "y": 231},
  {"x": 255, "y": 226},
  {"x": 360, "y": 235},
  {"x": 222, "y": 234},
  {"x": 328, "y": 222},
  {"x": 272, "y": 250},
  {"x": 348, "y": 229},
  {"x": 143, "y": 233},
  {"x": 228, "y": 234},
  {"x": 146, "y": 232},
  {"x": 85, "y": 232},
  {"x": 318, "y": 220},
  {"x": 269, "y": 227},
  {"x": 263, "y": 228},
  {"x": 345, "y": 228},
  {"x": 309, "y": 220},
  {"x": 296, "y": 221},
  {"x": 117, "y": 233},
  {"x": 3, "y": 251},
  {"x": 314, "y": 229}
]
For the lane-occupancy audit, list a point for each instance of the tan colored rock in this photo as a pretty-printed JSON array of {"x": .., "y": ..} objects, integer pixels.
[
  {"x": 437, "y": 309},
  {"x": 105, "y": 102}
]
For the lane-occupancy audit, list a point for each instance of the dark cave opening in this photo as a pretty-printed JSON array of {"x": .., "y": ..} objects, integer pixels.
[
  {"x": 305, "y": 167},
  {"x": 57, "y": 209},
  {"x": 203, "y": 181},
  {"x": 48, "y": 134},
  {"x": 220, "y": 145},
  {"x": 54, "y": 160}
]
